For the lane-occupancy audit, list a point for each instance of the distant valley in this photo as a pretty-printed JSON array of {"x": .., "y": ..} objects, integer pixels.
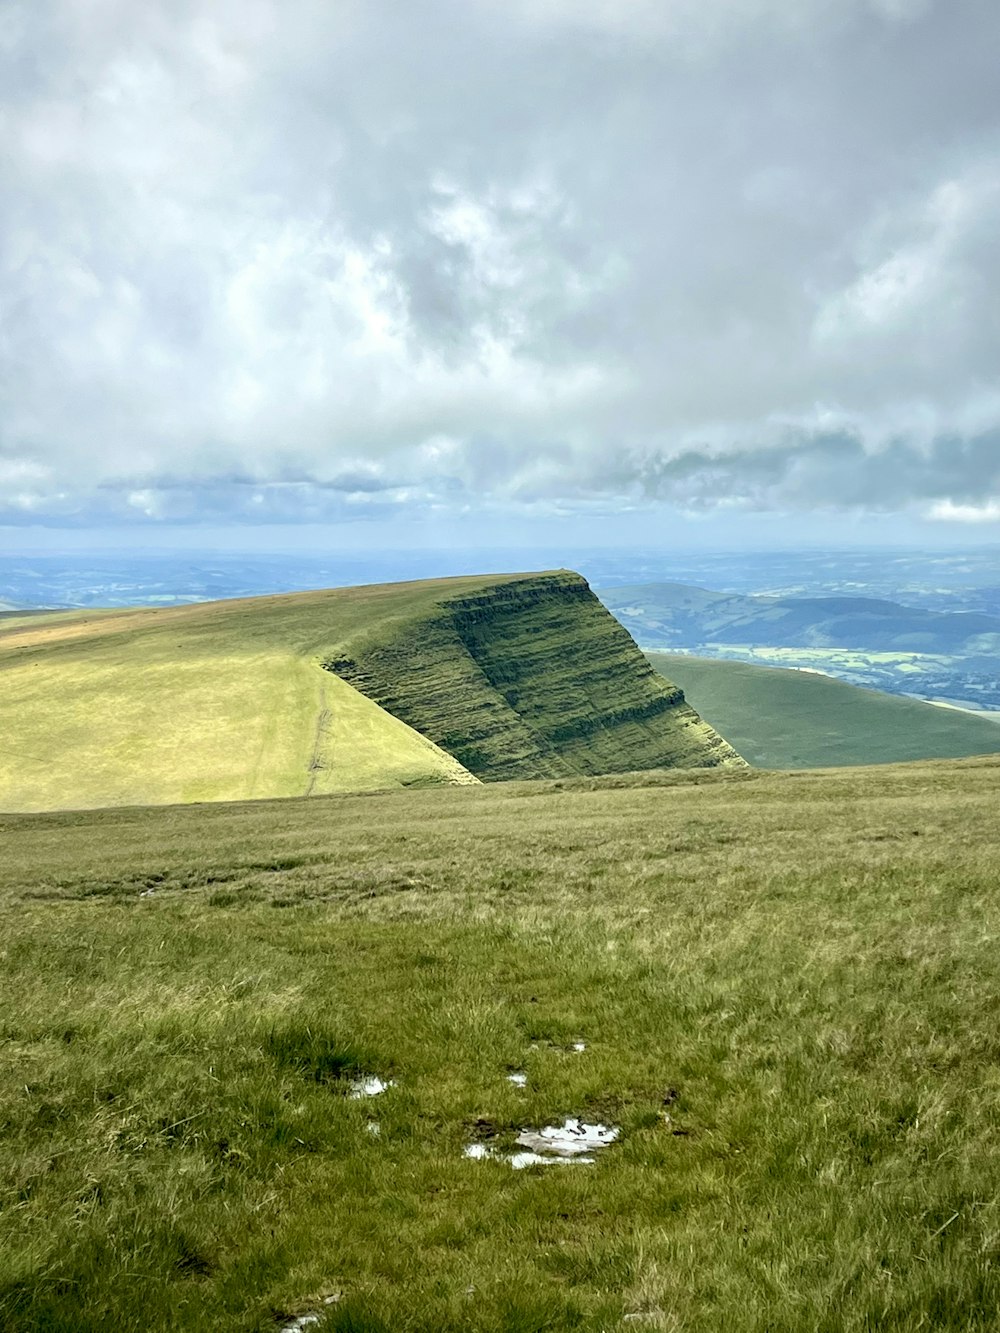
[{"x": 872, "y": 642}]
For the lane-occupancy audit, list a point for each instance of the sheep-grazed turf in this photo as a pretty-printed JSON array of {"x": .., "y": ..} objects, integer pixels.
[{"x": 787, "y": 986}]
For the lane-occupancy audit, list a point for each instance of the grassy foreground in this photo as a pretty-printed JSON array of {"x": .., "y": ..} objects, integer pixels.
[
  {"x": 777, "y": 718},
  {"x": 800, "y": 970}
]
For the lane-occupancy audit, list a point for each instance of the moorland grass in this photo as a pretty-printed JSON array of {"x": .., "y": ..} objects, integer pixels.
[
  {"x": 787, "y": 985},
  {"x": 780, "y": 718}
]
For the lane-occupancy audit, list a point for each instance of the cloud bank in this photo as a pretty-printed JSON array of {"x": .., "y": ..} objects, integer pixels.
[{"x": 265, "y": 260}]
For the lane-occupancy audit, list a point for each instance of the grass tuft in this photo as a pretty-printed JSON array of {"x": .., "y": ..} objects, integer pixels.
[{"x": 314, "y": 1052}]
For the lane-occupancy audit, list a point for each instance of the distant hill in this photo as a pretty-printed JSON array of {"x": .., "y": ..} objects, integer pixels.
[
  {"x": 679, "y": 616},
  {"x": 452, "y": 680},
  {"x": 798, "y": 719}
]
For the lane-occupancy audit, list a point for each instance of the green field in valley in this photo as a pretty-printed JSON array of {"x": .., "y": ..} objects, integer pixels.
[
  {"x": 785, "y": 988},
  {"x": 779, "y": 718}
]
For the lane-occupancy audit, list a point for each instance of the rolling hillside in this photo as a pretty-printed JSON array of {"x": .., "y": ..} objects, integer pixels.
[
  {"x": 447, "y": 681},
  {"x": 866, "y": 641},
  {"x": 786, "y": 719},
  {"x": 676, "y": 615}
]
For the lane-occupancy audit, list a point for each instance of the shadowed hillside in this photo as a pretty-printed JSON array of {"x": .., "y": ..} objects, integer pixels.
[
  {"x": 505, "y": 675},
  {"x": 532, "y": 679}
]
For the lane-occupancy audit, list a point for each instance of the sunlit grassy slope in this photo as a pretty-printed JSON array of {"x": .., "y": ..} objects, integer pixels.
[
  {"x": 797, "y": 719},
  {"x": 490, "y": 676},
  {"x": 787, "y": 986},
  {"x": 142, "y": 718}
]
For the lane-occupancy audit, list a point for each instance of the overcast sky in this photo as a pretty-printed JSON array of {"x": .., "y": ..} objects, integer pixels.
[{"x": 502, "y": 266}]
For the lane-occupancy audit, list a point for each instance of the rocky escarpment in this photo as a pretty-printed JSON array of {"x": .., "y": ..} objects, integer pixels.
[{"x": 530, "y": 678}]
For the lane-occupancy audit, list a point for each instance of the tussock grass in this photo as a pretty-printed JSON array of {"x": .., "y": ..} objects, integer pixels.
[
  {"x": 310, "y": 1048},
  {"x": 788, "y": 988}
]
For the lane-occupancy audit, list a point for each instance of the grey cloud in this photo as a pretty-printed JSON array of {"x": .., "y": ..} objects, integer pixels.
[
  {"x": 709, "y": 252},
  {"x": 835, "y": 470}
]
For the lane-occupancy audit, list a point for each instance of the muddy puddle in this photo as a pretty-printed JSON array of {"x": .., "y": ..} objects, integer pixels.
[
  {"x": 296, "y": 1323},
  {"x": 369, "y": 1085},
  {"x": 572, "y": 1142}
]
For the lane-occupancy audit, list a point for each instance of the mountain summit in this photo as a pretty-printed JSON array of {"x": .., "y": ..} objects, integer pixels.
[{"x": 352, "y": 689}]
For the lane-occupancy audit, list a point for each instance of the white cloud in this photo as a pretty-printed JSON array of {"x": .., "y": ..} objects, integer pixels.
[
  {"x": 944, "y": 511},
  {"x": 926, "y": 275},
  {"x": 553, "y": 253}
]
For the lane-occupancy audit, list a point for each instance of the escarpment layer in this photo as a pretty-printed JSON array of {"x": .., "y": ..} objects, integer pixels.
[{"x": 530, "y": 678}]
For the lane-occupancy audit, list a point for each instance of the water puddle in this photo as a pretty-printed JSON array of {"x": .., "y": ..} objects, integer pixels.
[
  {"x": 301, "y": 1321},
  {"x": 369, "y": 1085},
  {"x": 569, "y": 1139},
  {"x": 519, "y": 1160},
  {"x": 572, "y": 1142}
]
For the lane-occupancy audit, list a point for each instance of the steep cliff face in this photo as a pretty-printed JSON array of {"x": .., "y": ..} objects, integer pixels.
[{"x": 530, "y": 678}]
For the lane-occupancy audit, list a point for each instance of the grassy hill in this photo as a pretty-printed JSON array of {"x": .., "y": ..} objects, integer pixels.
[
  {"x": 478, "y": 677},
  {"x": 530, "y": 678},
  {"x": 786, "y": 988},
  {"x": 797, "y": 719}
]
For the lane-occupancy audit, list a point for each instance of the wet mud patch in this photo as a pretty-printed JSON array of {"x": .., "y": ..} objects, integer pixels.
[
  {"x": 368, "y": 1085},
  {"x": 574, "y": 1142},
  {"x": 297, "y": 1323},
  {"x": 484, "y": 1130}
]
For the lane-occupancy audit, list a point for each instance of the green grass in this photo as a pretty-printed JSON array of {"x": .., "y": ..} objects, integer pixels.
[
  {"x": 502, "y": 675},
  {"x": 799, "y": 970},
  {"x": 796, "y": 719},
  {"x": 208, "y": 702}
]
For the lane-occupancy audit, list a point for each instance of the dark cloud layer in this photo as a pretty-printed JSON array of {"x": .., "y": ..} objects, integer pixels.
[{"x": 261, "y": 260}]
